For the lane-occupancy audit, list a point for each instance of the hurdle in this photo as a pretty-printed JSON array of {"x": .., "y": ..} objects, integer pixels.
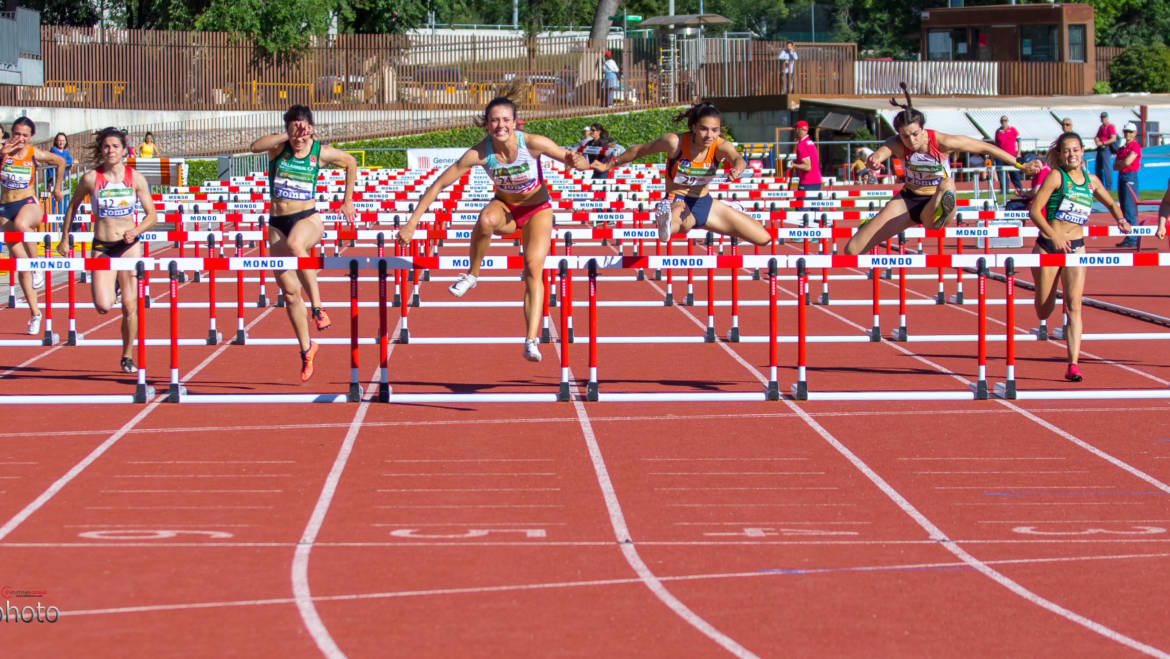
[
  {"x": 142, "y": 392},
  {"x": 178, "y": 393},
  {"x": 593, "y": 390}
]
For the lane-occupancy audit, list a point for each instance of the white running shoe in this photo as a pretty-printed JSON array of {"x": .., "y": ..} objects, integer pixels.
[
  {"x": 34, "y": 325},
  {"x": 38, "y": 278},
  {"x": 532, "y": 350},
  {"x": 733, "y": 204},
  {"x": 662, "y": 218},
  {"x": 464, "y": 283}
]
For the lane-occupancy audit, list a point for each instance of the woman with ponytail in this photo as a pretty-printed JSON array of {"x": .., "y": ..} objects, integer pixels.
[
  {"x": 928, "y": 195},
  {"x": 694, "y": 159},
  {"x": 512, "y": 158}
]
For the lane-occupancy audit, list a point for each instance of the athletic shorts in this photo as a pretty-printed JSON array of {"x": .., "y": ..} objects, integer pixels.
[
  {"x": 700, "y": 208},
  {"x": 1049, "y": 248},
  {"x": 285, "y": 223},
  {"x": 112, "y": 248},
  {"x": 12, "y": 208},
  {"x": 915, "y": 204},
  {"x": 523, "y": 213}
]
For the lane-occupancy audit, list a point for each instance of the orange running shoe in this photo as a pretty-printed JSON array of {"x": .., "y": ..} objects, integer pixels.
[
  {"x": 322, "y": 318},
  {"x": 307, "y": 361}
]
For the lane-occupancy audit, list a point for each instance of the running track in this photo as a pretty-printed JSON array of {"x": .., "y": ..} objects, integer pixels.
[{"x": 582, "y": 529}]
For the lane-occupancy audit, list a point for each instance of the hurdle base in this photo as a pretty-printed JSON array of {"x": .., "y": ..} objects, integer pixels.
[
  {"x": 887, "y": 274},
  {"x": 50, "y": 338},
  {"x": 241, "y": 338},
  {"x": 545, "y": 337},
  {"x": 143, "y": 393},
  {"x": 772, "y": 390},
  {"x": 690, "y": 300},
  {"x": 957, "y": 298},
  {"x": 823, "y": 299},
  {"x": 1005, "y": 390},
  {"x": 940, "y": 298},
  {"x": 668, "y": 301},
  {"x": 213, "y": 337},
  {"x": 875, "y": 334},
  {"x": 384, "y": 392},
  {"x": 195, "y": 277},
  {"x": 709, "y": 337},
  {"x": 800, "y": 390},
  {"x": 279, "y": 301},
  {"x": 355, "y": 393},
  {"x": 591, "y": 391},
  {"x": 1058, "y": 333},
  {"x": 563, "y": 394},
  {"x": 640, "y": 276},
  {"x": 403, "y": 335},
  {"x": 733, "y": 335},
  {"x": 1041, "y": 333},
  {"x": 426, "y": 275},
  {"x": 657, "y": 274},
  {"x": 979, "y": 389},
  {"x": 175, "y": 393},
  {"x": 898, "y": 334},
  {"x": 73, "y": 337}
]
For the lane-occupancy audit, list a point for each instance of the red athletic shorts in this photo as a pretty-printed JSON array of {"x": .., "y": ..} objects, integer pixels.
[{"x": 522, "y": 213}]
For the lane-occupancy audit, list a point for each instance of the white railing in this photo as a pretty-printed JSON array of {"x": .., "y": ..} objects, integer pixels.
[{"x": 928, "y": 78}]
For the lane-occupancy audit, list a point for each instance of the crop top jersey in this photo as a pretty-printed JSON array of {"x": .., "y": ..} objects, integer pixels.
[
  {"x": 292, "y": 178},
  {"x": 18, "y": 172},
  {"x": 1070, "y": 202},
  {"x": 520, "y": 176},
  {"x": 113, "y": 200},
  {"x": 691, "y": 172},
  {"x": 927, "y": 170}
]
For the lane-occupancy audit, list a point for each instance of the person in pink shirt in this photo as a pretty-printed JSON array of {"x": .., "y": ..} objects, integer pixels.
[
  {"x": 1106, "y": 142},
  {"x": 808, "y": 161},
  {"x": 1008, "y": 139},
  {"x": 1127, "y": 163}
]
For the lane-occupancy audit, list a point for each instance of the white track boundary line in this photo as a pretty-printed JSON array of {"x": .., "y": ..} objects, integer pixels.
[
  {"x": 629, "y": 551},
  {"x": 933, "y": 531},
  {"x": 302, "y": 593},
  {"x": 592, "y": 584}
]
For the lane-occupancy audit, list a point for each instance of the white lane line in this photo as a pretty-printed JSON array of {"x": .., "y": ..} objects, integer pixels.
[
  {"x": 460, "y": 474},
  {"x": 743, "y": 459},
  {"x": 455, "y": 460},
  {"x": 1001, "y": 472},
  {"x": 933, "y": 531},
  {"x": 462, "y": 507},
  {"x": 737, "y": 473},
  {"x": 977, "y": 459},
  {"x": 252, "y": 475},
  {"x": 1070, "y": 521},
  {"x": 178, "y": 507},
  {"x": 760, "y": 488},
  {"x": 149, "y": 525},
  {"x": 473, "y": 489},
  {"x": 302, "y": 593},
  {"x": 1024, "y": 487},
  {"x": 462, "y": 524},
  {"x": 443, "y": 592},
  {"x": 209, "y": 462},
  {"x": 191, "y": 491}
]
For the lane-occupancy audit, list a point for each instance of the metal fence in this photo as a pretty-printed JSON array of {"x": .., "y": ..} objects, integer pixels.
[{"x": 970, "y": 78}]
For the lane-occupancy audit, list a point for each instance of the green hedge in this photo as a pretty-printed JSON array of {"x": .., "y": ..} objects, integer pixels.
[
  {"x": 626, "y": 129},
  {"x": 201, "y": 171}
]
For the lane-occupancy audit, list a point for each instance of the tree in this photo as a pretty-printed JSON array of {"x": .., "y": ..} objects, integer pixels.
[
  {"x": 878, "y": 27},
  {"x": 279, "y": 29},
  {"x": 1141, "y": 69},
  {"x": 72, "y": 13}
]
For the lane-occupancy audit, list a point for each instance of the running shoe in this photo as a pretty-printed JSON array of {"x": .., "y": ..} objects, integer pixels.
[
  {"x": 322, "y": 318},
  {"x": 128, "y": 365},
  {"x": 34, "y": 325},
  {"x": 38, "y": 278},
  {"x": 532, "y": 350},
  {"x": 1073, "y": 374},
  {"x": 946, "y": 205},
  {"x": 662, "y": 218},
  {"x": 464, "y": 283},
  {"x": 307, "y": 361}
]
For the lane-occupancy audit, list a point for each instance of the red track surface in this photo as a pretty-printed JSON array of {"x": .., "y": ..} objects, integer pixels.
[{"x": 969, "y": 528}]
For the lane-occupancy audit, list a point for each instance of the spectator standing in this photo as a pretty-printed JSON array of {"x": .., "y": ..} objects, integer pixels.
[
  {"x": 1127, "y": 164},
  {"x": 611, "y": 71},
  {"x": 601, "y": 140},
  {"x": 1066, "y": 125},
  {"x": 586, "y": 136},
  {"x": 148, "y": 149},
  {"x": 60, "y": 148},
  {"x": 1106, "y": 141},
  {"x": 788, "y": 59},
  {"x": 808, "y": 161},
  {"x": 1008, "y": 139}
]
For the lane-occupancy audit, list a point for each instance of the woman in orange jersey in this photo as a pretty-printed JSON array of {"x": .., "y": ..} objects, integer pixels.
[
  {"x": 18, "y": 201},
  {"x": 694, "y": 160}
]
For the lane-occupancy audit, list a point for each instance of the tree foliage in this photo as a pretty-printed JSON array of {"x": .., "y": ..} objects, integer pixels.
[
  {"x": 1141, "y": 69},
  {"x": 278, "y": 28}
]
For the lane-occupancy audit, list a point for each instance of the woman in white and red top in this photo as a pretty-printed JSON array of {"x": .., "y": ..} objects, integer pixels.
[
  {"x": 808, "y": 161},
  {"x": 1127, "y": 163},
  {"x": 114, "y": 191}
]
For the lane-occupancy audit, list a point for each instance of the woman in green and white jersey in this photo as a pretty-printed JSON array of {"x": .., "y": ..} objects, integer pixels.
[
  {"x": 294, "y": 227},
  {"x": 1061, "y": 210}
]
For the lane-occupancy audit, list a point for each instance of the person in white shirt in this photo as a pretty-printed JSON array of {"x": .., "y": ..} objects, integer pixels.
[
  {"x": 788, "y": 59},
  {"x": 611, "y": 71}
]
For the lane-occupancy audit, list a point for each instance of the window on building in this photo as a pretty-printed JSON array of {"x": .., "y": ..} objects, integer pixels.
[
  {"x": 948, "y": 44},
  {"x": 1039, "y": 43},
  {"x": 1076, "y": 43},
  {"x": 980, "y": 44}
]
